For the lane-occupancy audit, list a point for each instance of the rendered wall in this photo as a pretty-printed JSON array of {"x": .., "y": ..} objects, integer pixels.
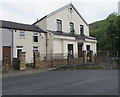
[
  {"x": 92, "y": 45},
  {"x": 42, "y": 24},
  {"x": 28, "y": 44},
  {"x": 61, "y": 44},
  {"x": 6, "y": 37},
  {"x": 66, "y": 18}
]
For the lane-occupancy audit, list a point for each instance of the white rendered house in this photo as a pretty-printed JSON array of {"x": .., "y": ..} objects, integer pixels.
[{"x": 67, "y": 32}]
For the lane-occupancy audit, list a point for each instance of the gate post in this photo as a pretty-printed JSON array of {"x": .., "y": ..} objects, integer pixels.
[
  {"x": 91, "y": 56},
  {"x": 36, "y": 59},
  {"x": 84, "y": 57},
  {"x": 5, "y": 64},
  {"x": 108, "y": 53},
  {"x": 22, "y": 58}
]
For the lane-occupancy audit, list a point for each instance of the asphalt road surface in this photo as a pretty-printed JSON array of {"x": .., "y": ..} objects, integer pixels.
[{"x": 72, "y": 82}]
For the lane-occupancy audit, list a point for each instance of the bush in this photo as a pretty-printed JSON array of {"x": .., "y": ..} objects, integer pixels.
[
  {"x": 80, "y": 67},
  {"x": 118, "y": 61}
]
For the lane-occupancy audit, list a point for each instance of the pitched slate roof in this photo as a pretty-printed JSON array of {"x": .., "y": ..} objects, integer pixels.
[
  {"x": 19, "y": 26},
  {"x": 54, "y": 12}
]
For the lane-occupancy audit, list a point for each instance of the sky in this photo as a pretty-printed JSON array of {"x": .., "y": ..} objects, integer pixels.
[{"x": 29, "y": 11}]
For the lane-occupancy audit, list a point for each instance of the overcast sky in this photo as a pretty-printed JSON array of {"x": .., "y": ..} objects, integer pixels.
[{"x": 28, "y": 11}]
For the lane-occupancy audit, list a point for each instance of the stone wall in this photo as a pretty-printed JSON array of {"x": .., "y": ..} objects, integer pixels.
[
  {"x": 57, "y": 62},
  {"x": 60, "y": 62},
  {"x": 22, "y": 59},
  {"x": 75, "y": 61},
  {"x": 69, "y": 61},
  {"x": 5, "y": 64}
]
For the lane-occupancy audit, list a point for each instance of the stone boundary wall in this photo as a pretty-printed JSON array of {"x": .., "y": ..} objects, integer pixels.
[
  {"x": 66, "y": 61},
  {"x": 60, "y": 62}
]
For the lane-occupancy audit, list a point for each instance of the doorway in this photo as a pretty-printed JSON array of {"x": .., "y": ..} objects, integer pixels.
[
  {"x": 80, "y": 49},
  {"x": 70, "y": 50},
  {"x": 7, "y": 53}
]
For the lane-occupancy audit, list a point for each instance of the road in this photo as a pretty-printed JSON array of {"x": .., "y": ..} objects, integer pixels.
[{"x": 71, "y": 82}]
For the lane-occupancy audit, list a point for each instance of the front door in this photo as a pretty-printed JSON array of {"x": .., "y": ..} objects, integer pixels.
[
  {"x": 7, "y": 53},
  {"x": 70, "y": 50},
  {"x": 80, "y": 49}
]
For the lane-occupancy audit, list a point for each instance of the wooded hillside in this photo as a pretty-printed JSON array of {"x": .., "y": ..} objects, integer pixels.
[{"x": 107, "y": 33}]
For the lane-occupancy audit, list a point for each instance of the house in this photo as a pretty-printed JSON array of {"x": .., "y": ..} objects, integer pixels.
[
  {"x": 63, "y": 32},
  {"x": 17, "y": 37},
  {"x": 68, "y": 32}
]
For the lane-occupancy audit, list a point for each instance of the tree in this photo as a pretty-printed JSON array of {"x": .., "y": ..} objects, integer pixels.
[
  {"x": 118, "y": 35},
  {"x": 107, "y": 33},
  {"x": 112, "y": 30}
]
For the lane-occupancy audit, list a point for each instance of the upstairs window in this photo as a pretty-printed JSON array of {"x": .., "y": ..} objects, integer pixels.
[
  {"x": 59, "y": 25},
  {"x": 35, "y": 37},
  {"x": 71, "y": 27},
  {"x": 81, "y": 30},
  {"x": 22, "y": 34}
]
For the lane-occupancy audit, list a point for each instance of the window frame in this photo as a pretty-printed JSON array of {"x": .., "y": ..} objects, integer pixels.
[
  {"x": 22, "y": 35},
  {"x": 82, "y": 31},
  {"x": 71, "y": 27},
  {"x": 35, "y": 35},
  {"x": 59, "y": 25}
]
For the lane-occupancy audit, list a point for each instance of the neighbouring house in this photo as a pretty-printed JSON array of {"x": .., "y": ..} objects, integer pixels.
[
  {"x": 17, "y": 37},
  {"x": 67, "y": 31}
]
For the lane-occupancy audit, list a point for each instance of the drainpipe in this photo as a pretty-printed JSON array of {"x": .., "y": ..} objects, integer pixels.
[
  {"x": 12, "y": 44},
  {"x": 46, "y": 44}
]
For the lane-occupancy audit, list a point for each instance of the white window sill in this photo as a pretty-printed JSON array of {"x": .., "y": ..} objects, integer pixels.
[
  {"x": 22, "y": 37},
  {"x": 35, "y": 42}
]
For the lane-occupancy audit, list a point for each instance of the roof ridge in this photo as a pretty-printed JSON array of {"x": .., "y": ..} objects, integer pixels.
[
  {"x": 13, "y": 22},
  {"x": 19, "y": 26}
]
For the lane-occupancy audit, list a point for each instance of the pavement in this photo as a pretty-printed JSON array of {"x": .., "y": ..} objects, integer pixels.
[
  {"x": 13, "y": 72},
  {"x": 69, "y": 82}
]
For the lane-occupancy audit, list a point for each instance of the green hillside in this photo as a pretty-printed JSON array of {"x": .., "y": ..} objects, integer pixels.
[
  {"x": 98, "y": 30},
  {"x": 106, "y": 32}
]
